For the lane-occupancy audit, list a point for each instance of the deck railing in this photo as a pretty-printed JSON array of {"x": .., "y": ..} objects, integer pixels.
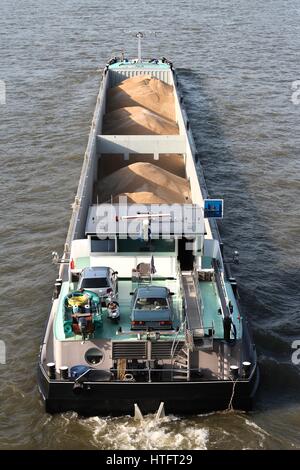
[{"x": 150, "y": 374}]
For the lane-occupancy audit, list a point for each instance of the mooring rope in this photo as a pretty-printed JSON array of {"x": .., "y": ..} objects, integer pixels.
[{"x": 230, "y": 407}]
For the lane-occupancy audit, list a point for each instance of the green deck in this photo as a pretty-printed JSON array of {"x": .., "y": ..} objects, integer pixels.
[
  {"x": 211, "y": 304},
  {"x": 207, "y": 292},
  {"x": 109, "y": 329}
]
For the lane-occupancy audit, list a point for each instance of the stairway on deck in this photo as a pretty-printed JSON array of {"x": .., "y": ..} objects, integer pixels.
[
  {"x": 193, "y": 312},
  {"x": 182, "y": 365}
]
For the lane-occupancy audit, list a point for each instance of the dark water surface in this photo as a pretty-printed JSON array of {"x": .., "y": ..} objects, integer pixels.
[{"x": 236, "y": 60}]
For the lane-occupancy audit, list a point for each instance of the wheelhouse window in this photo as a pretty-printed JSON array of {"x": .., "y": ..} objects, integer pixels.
[
  {"x": 102, "y": 246},
  {"x": 159, "y": 246}
]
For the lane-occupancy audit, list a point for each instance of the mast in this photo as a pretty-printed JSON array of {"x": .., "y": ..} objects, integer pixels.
[{"x": 139, "y": 36}]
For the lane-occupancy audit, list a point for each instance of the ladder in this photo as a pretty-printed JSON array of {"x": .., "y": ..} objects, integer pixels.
[{"x": 182, "y": 365}]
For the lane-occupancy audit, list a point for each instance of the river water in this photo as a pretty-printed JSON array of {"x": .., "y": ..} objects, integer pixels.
[{"x": 237, "y": 60}]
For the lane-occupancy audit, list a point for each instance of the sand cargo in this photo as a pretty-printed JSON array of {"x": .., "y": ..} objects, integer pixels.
[{"x": 144, "y": 308}]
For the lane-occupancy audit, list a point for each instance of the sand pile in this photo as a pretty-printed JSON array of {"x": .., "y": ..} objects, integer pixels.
[
  {"x": 172, "y": 162},
  {"x": 146, "y": 91},
  {"x": 144, "y": 183},
  {"x": 142, "y": 106},
  {"x": 143, "y": 197},
  {"x": 135, "y": 120}
]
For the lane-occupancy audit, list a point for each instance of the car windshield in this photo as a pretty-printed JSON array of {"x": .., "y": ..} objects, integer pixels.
[
  {"x": 95, "y": 282},
  {"x": 152, "y": 303}
]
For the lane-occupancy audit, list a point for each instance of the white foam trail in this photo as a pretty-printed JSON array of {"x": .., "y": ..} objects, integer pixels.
[
  {"x": 259, "y": 431},
  {"x": 125, "y": 433},
  {"x": 256, "y": 427}
]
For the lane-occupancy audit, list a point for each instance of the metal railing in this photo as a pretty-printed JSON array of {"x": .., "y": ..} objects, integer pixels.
[
  {"x": 176, "y": 339},
  {"x": 221, "y": 289},
  {"x": 148, "y": 374},
  {"x": 198, "y": 292}
]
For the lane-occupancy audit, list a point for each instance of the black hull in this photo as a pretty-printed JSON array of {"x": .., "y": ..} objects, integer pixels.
[{"x": 117, "y": 398}]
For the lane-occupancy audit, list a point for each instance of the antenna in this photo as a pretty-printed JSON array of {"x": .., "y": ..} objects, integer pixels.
[
  {"x": 140, "y": 37},
  {"x": 148, "y": 215}
]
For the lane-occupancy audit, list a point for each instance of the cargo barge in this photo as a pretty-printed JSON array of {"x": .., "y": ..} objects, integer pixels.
[{"x": 144, "y": 309}]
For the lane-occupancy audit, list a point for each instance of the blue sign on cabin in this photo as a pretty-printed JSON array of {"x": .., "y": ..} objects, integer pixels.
[{"x": 213, "y": 208}]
